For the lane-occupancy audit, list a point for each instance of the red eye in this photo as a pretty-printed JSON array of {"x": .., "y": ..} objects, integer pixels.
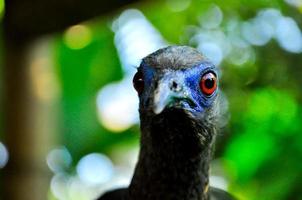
[
  {"x": 138, "y": 82},
  {"x": 208, "y": 83}
]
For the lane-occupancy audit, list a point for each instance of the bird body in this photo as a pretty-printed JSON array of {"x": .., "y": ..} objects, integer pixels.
[{"x": 179, "y": 112}]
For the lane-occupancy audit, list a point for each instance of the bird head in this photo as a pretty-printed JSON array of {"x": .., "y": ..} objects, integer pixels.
[{"x": 177, "y": 84}]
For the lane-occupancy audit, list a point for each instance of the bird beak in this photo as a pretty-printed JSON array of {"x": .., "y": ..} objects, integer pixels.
[
  {"x": 169, "y": 93},
  {"x": 162, "y": 97}
]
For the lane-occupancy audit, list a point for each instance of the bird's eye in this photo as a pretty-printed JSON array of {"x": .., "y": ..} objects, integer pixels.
[
  {"x": 138, "y": 82},
  {"x": 208, "y": 83}
]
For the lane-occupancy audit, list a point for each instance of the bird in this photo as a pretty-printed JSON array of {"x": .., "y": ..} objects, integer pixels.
[{"x": 181, "y": 109}]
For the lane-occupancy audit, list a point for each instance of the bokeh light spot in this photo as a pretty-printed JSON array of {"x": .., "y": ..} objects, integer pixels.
[
  {"x": 3, "y": 155},
  {"x": 295, "y": 3},
  {"x": 178, "y": 5},
  {"x": 78, "y": 37},
  {"x": 135, "y": 37},
  {"x": 241, "y": 55},
  {"x": 117, "y": 106},
  {"x": 95, "y": 168},
  {"x": 211, "y": 51},
  {"x": 59, "y": 160},
  {"x": 212, "y": 18},
  {"x": 289, "y": 35},
  {"x": 257, "y": 31},
  {"x": 59, "y": 186}
]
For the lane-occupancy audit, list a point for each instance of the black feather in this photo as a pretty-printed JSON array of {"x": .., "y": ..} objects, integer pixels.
[
  {"x": 176, "y": 144},
  {"x": 117, "y": 194}
]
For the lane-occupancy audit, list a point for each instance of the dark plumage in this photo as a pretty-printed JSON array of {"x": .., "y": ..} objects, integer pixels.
[{"x": 180, "y": 111}]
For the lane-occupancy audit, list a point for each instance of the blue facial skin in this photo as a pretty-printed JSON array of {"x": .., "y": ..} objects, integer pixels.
[{"x": 190, "y": 82}]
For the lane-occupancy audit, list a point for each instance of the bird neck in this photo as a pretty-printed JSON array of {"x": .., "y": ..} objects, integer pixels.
[{"x": 173, "y": 163}]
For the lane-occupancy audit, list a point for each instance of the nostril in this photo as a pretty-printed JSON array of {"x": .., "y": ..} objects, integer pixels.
[{"x": 175, "y": 86}]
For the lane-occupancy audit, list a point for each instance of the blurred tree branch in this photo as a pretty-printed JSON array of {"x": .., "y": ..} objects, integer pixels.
[{"x": 28, "y": 19}]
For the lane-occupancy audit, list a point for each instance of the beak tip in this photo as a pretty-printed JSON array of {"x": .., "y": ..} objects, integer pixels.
[{"x": 158, "y": 109}]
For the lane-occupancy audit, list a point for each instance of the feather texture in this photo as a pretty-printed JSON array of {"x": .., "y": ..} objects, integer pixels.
[{"x": 179, "y": 124}]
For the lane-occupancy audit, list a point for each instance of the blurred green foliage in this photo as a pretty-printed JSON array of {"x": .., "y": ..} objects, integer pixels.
[
  {"x": 262, "y": 145},
  {"x": 82, "y": 73}
]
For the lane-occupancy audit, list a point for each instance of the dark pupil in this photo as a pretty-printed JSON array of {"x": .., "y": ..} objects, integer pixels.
[
  {"x": 209, "y": 83},
  {"x": 138, "y": 82}
]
